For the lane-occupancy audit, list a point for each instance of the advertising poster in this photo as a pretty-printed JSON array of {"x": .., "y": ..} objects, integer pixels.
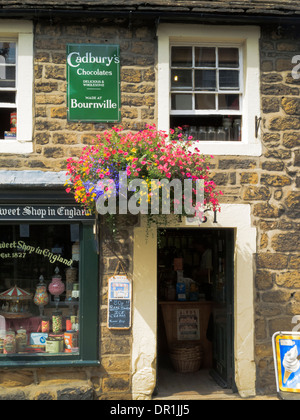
[
  {"x": 188, "y": 325},
  {"x": 286, "y": 350},
  {"x": 119, "y": 287},
  {"x": 93, "y": 79}
]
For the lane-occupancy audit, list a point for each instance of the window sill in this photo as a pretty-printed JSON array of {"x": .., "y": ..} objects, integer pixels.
[
  {"x": 15, "y": 146},
  {"x": 47, "y": 363},
  {"x": 218, "y": 148}
]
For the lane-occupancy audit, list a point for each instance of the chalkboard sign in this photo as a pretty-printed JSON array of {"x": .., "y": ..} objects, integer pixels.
[
  {"x": 119, "y": 303},
  {"x": 119, "y": 313}
]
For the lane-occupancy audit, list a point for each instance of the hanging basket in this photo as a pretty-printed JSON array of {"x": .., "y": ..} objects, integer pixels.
[{"x": 186, "y": 357}]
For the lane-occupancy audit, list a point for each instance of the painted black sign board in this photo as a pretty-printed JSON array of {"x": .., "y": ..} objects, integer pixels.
[
  {"x": 119, "y": 313},
  {"x": 33, "y": 212}
]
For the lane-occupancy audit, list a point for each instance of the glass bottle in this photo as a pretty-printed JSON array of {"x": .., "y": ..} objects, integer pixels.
[
  {"x": 57, "y": 322},
  {"x": 41, "y": 297},
  {"x": 202, "y": 133},
  {"x": 193, "y": 132},
  {"x": 211, "y": 133},
  {"x": 227, "y": 128},
  {"x": 21, "y": 340},
  {"x": 56, "y": 287},
  {"x": 221, "y": 133},
  {"x": 237, "y": 130},
  {"x": 9, "y": 345}
]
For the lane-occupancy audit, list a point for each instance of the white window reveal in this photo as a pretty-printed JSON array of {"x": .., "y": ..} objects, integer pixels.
[
  {"x": 16, "y": 86},
  {"x": 208, "y": 84}
]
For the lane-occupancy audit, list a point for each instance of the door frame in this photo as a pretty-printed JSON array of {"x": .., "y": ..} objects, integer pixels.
[{"x": 144, "y": 315}]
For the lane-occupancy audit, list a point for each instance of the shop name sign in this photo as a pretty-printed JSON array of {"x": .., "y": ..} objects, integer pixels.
[
  {"x": 93, "y": 76},
  {"x": 45, "y": 212}
]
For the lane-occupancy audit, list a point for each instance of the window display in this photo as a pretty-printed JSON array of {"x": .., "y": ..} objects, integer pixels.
[{"x": 39, "y": 289}]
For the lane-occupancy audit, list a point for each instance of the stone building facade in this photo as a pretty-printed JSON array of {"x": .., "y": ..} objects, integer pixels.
[{"x": 269, "y": 183}]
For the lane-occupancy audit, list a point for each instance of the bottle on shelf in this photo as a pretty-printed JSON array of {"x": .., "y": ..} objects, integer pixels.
[
  {"x": 237, "y": 129},
  {"x": 227, "y": 128}
]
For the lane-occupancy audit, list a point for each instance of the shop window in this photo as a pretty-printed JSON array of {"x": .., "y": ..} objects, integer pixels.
[
  {"x": 16, "y": 81},
  {"x": 208, "y": 84},
  {"x": 48, "y": 293}
]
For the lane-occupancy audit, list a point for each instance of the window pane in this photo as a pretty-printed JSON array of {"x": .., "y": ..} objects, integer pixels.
[
  {"x": 7, "y": 128},
  {"x": 205, "y": 57},
  {"x": 39, "y": 289},
  {"x": 205, "y": 79},
  {"x": 228, "y": 57},
  {"x": 229, "y": 79},
  {"x": 181, "y": 79},
  {"x": 205, "y": 101},
  {"x": 7, "y": 76},
  {"x": 229, "y": 102},
  {"x": 7, "y": 52},
  {"x": 181, "y": 57},
  {"x": 180, "y": 101},
  {"x": 8, "y": 97}
]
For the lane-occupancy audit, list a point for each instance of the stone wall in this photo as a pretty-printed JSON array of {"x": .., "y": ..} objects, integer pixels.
[
  {"x": 115, "y": 345},
  {"x": 55, "y": 138},
  {"x": 270, "y": 183},
  {"x": 277, "y": 216}
]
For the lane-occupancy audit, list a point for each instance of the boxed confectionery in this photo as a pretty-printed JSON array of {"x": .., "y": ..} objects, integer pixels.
[
  {"x": 71, "y": 340},
  {"x": 38, "y": 338}
]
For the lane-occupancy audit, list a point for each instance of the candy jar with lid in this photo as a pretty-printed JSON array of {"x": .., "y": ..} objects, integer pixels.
[
  {"x": 41, "y": 297},
  {"x": 21, "y": 340},
  {"x": 9, "y": 345},
  {"x": 56, "y": 287}
]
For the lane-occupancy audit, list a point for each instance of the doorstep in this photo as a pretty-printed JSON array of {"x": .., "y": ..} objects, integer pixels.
[{"x": 200, "y": 385}]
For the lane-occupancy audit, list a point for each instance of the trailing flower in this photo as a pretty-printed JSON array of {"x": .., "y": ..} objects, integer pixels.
[{"x": 147, "y": 155}]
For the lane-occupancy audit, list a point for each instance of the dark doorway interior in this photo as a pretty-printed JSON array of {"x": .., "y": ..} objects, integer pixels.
[{"x": 203, "y": 258}]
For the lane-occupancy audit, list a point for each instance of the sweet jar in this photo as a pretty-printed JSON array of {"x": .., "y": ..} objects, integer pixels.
[
  {"x": 41, "y": 297},
  {"x": 56, "y": 287}
]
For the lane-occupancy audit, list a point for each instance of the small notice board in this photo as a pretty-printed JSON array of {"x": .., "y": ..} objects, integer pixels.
[
  {"x": 119, "y": 303},
  {"x": 286, "y": 351}
]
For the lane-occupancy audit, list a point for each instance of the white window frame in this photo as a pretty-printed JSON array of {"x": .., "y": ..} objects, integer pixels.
[
  {"x": 247, "y": 37},
  {"x": 21, "y": 32},
  {"x": 216, "y": 91}
]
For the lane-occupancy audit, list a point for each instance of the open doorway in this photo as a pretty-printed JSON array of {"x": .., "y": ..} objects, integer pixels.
[{"x": 195, "y": 272}]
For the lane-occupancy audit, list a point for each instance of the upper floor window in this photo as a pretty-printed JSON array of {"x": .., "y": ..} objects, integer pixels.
[
  {"x": 208, "y": 83},
  {"x": 206, "y": 91},
  {"x": 16, "y": 86},
  {"x": 8, "y": 90}
]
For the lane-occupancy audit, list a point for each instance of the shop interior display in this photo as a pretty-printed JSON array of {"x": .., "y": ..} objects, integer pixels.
[
  {"x": 15, "y": 303},
  {"x": 191, "y": 267},
  {"x": 39, "y": 290},
  {"x": 191, "y": 285}
]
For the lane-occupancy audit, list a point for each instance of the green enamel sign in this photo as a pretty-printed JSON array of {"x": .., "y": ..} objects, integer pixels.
[{"x": 93, "y": 77}]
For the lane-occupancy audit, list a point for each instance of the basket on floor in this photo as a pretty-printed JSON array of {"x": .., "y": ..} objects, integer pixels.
[{"x": 186, "y": 357}]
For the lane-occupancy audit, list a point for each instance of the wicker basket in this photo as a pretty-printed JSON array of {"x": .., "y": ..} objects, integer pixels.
[{"x": 186, "y": 357}]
